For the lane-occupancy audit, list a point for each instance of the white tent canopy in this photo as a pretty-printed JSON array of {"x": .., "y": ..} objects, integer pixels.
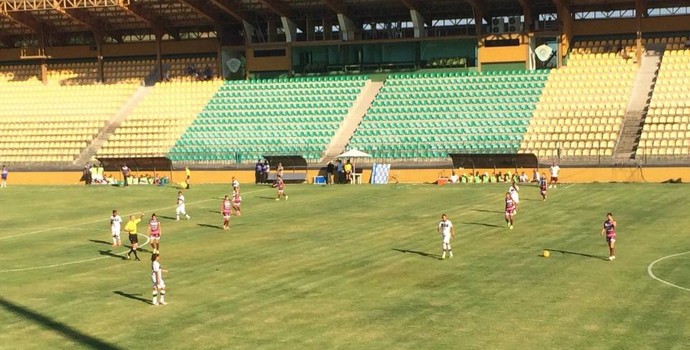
[{"x": 353, "y": 153}]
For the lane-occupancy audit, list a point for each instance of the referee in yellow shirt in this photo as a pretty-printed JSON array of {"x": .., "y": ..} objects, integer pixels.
[{"x": 131, "y": 229}]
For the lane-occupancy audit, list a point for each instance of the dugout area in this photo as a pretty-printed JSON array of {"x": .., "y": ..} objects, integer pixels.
[
  {"x": 156, "y": 165},
  {"x": 295, "y": 168}
]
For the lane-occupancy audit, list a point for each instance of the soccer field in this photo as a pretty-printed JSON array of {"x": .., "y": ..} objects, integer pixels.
[{"x": 350, "y": 267}]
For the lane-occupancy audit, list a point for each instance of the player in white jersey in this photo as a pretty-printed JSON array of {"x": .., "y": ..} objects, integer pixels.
[
  {"x": 115, "y": 228},
  {"x": 157, "y": 279},
  {"x": 181, "y": 206},
  {"x": 514, "y": 191},
  {"x": 554, "y": 169},
  {"x": 235, "y": 184},
  {"x": 447, "y": 231}
]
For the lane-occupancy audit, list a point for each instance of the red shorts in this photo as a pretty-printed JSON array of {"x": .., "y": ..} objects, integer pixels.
[
  {"x": 610, "y": 239},
  {"x": 554, "y": 179},
  {"x": 510, "y": 211},
  {"x": 155, "y": 236}
]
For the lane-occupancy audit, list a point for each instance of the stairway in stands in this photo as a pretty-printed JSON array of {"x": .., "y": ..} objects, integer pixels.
[
  {"x": 639, "y": 102},
  {"x": 89, "y": 152},
  {"x": 354, "y": 117}
]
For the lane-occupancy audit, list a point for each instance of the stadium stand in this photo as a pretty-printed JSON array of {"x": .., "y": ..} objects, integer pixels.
[
  {"x": 128, "y": 71},
  {"x": 246, "y": 120},
  {"x": 81, "y": 73},
  {"x": 158, "y": 121},
  {"x": 189, "y": 69},
  {"x": 20, "y": 73},
  {"x": 666, "y": 129},
  {"x": 426, "y": 116},
  {"x": 582, "y": 107},
  {"x": 53, "y": 123}
]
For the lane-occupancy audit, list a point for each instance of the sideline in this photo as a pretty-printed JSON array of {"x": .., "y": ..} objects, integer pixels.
[
  {"x": 72, "y": 262},
  {"x": 652, "y": 275},
  {"x": 105, "y": 220}
]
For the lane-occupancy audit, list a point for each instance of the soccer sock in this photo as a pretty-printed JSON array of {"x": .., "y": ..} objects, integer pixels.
[
  {"x": 178, "y": 216},
  {"x": 135, "y": 253},
  {"x": 155, "y": 297},
  {"x": 114, "y": 241},
  {"x": 162, "y": 296}
]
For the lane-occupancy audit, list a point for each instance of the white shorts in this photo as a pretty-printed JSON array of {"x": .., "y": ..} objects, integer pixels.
[
  {"x": 115, "y": 233},
  {"x": 181, "y": 209},
  {"x": 446, "y": 238},
  {"x": 161, "y": 285}
]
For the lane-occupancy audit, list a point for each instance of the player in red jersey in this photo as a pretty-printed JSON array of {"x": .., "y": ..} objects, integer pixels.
[
  {"x": 226, "y": 211},
  {"x": 155, "y": 233},
  {"x": 609, "y": 230},
  {"x": 236, "y": 202},
  {"x": 510, "y": 210},
  {"x": 542, "y": 186},
  {"x": 280, "y": 184}
]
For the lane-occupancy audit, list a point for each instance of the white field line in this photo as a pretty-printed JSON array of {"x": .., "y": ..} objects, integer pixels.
[
  {"x": 81, "y": 224},
  {"x": 99, "y": 220},
  {"x": 71, "y": 262},
  {"x": 652, "y": 275}
]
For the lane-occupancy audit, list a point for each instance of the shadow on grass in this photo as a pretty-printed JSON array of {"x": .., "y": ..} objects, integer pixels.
[
  {"x": 480, "y": 224},
  {"x": 211, "y": 226},
  {"x": 100, "y": 242},
  {"x": 140, "y": 249},
  {"x": 428, "y": 255},
  {"x": 166, "y": 217},
  {"x": 58, "y": 327},
  {"x": 599, "y": 257},
  {"x": 137, "y": 297},
  {"x": 488, "y": 211},
  {"x": 266, "y": 197},
  {"x": 110, "y": 253}
]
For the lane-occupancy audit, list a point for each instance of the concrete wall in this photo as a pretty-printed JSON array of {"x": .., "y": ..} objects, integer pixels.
[{"x": 570, "y": 175}]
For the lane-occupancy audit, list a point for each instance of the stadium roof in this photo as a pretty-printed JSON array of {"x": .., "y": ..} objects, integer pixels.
[{"x": 115, "y": 19}]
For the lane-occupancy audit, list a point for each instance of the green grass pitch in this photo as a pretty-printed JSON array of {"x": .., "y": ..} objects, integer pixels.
[{"x": 348, "y": 267}]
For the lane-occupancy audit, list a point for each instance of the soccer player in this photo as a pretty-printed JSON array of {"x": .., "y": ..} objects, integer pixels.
[
  {"x": 447, "y": 231},
  {"x": 280, "y": 184},
  {"x": 542, "y": 186},
  {"x": 115, "y": 226},
  {"x": 514, "y": 191},
  {"x": 131, "y": 229},
  {"x": 510, "y": 210},
  {"x": 3, "y": 175},
  {"x": 181, "y": 206},
  {"x": 157, "y": 279},
  {"x": 237, "y": 201},
  {"x": 155, "y": 233},
  {"x": 235, "y": 184},
  {"x": 554, "y": 169},
  {"x": 609, "y": 230},
  {"x": 226, "y": 212}
]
